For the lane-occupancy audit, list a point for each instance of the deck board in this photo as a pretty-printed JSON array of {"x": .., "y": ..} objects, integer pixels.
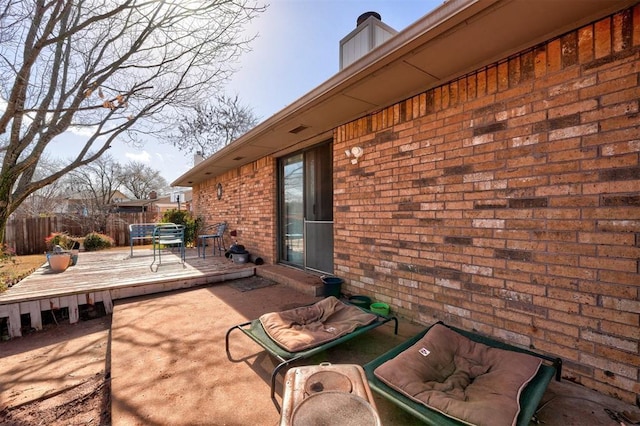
[{"x": 105, "y": 276}]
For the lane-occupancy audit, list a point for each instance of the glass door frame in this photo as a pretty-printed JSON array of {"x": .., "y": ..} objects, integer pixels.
[
  {"x": 289, "y": 228},
  {"x": 317, "y": 209}
]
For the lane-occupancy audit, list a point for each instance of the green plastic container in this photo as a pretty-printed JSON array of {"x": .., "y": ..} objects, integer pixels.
[{"x": 380, "y": 308}]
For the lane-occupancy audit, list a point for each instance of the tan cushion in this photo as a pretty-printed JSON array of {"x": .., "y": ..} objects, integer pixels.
[
  {"x": 310, "y": 326},
  {"x": 460, "y": 378}
]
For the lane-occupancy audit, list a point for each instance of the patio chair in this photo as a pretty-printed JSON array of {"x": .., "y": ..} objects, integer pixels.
[
  {"x": 405, "y": 376},
  {"x": 336, "y": 321},
  {"x": 167, "y": 235},
  {"x": 217, "y": 238}
]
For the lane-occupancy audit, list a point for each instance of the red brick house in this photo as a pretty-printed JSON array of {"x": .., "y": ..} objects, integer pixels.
[{"x": 498, "y": 186}]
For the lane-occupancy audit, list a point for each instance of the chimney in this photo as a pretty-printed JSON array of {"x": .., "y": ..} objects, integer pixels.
[
  {"x": 370, "y": 33},
  {"x": 198, "y": 158},
  {"x": 153, "y": 195},
  {"x": 366, "y": 15}
]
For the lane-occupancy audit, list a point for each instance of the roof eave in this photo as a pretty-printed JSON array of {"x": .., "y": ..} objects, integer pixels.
[{"x": 403, "y": 67}]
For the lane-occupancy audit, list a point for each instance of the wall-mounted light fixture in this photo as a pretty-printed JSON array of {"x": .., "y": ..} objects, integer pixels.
[
  {"x": 355, "y": 152},
  {"x": 219, "y": 190}
]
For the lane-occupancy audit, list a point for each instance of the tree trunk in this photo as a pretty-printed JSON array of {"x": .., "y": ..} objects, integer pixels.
[
  {"x": 4, "y": 218},
  {"x": 5, "y": 206}
]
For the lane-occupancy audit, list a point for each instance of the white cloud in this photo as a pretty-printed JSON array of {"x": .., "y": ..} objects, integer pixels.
[
  {"x": 140, "y": 156},
  {"x": 86, "y": 131}
]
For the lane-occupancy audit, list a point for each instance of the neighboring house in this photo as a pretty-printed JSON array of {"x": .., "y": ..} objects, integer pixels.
[
  {"x": 81, "y": 204},
  {"x": 118, "y": 197},
  {"x": 157, "y": 205},
  {"x": 178, "y": 200},
  {"x": 480, "y": 167},
  {"x": 134, "y": 206}
]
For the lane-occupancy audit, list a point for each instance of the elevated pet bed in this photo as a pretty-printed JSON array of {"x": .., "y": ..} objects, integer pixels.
[
  {"x": 448, "y": 376},
  {"x": 303, "y": 332}
]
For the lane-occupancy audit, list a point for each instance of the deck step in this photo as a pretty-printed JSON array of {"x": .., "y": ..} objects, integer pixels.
[{"x": 302, "y": 281}]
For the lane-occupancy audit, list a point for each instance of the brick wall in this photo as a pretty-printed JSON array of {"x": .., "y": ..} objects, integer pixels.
[
  {"x": 247, "y": 205},
  {"x": 508, "y": 202}
]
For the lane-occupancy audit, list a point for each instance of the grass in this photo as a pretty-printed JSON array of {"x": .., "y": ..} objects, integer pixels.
[{"x": 19, "y": 267}]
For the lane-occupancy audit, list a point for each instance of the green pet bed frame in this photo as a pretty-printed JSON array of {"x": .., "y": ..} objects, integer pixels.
[
  {"x": 529, "y": 398},
  {"x": 256, "y": 332}
]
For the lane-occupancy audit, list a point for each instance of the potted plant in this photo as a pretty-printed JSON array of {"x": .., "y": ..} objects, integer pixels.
[
  {"x": 59, "y": 260},
  {"x": 60, "y": 251}
]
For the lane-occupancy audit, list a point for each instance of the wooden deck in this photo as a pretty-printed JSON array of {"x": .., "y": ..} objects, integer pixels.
[{"x": 105, "y": 276}]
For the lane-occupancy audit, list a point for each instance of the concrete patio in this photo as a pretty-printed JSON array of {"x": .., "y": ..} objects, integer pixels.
[{"x": 169, "y": 365}]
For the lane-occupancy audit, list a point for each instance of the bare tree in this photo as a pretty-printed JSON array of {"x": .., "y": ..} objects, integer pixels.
[
  {"x": 91, "y": 190},
  {"x": 213, "y": 125},
  {"x": 46, "y": 200},
  {"x": 113, "y": 69},
  {"x": 139, "y": 179}
]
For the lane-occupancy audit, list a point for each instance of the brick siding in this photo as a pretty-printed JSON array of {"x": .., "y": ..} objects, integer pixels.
[
  {"x": 508, "y": 202},
  {"x": 247, "y": 205}
]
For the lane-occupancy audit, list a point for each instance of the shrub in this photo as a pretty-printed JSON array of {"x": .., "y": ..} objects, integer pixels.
[
  {"x": 95, "y": 241},
  {"x": 59, "y": 239},
  {"x": 7, "y": 254},
  {"x": 184, "y": 217}
]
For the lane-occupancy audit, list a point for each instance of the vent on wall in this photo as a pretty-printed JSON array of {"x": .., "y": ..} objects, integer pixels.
[
  {"x": 370, "y": 33},
  {"x": 298, "y": 129}
]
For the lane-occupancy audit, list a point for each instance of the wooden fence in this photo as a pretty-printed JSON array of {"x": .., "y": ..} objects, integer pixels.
[{"x": 27, "y": 236}]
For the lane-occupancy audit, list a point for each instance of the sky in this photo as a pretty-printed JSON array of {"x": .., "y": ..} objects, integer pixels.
[{"x": 296, "y": 50}]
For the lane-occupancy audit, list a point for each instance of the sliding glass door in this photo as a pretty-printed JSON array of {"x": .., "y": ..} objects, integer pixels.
[
  {"x": 306, "y": 209},
  {"x": 292, "y": 210}
]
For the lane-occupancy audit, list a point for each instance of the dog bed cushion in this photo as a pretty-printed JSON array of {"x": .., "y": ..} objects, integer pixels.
[
  {"x": 309, "y": 326},
  {"x": 465, "y": 380}
]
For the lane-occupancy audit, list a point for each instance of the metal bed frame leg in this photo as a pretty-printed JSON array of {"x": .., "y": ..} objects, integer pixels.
[
  {"x": 395, "y": 326},
  {"x": 274, "y": 374},
  {"x": 226, "y": 337},
  {"x": 226, "y": 341},
  {"x": 558, "y": 364}
]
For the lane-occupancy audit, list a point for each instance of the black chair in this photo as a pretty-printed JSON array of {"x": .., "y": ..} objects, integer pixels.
[{"x": 217, "y": 238}]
